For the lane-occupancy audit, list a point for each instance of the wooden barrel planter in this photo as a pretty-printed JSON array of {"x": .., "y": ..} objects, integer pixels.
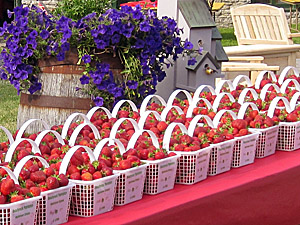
[{"x": 58, "y": 98}]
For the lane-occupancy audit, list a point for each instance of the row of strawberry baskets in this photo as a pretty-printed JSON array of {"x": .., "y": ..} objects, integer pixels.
[{"x": 102, "y": 159}]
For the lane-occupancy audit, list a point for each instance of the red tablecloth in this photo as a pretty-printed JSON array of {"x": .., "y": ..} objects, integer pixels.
[{"x": 266, "y": 192}]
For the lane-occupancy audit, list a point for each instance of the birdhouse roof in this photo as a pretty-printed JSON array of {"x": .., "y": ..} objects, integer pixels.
[
  {"x": 221, "y": 56},
  {"x": 201, "y": 58},
  {"x": 196, "y": 13},
  {"x": 216, "y": 35}
]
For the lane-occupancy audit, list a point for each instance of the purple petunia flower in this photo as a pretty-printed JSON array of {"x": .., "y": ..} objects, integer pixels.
[
  {"x": 9, "y": 13},
  {"x": 60, "y": 56},
  {"x": 86, "y": 58},
  {"x": 144, "y": 26},
  {"x": 84, "y": 80},
  {"x": 44, "y": 34},
  {"x": 132, "y": 84},
  {"x": 98, "y": 101},
  {"x": 188, "y": 45},
  {"x": 35, "y": 87},
  {"x": 192, "y": 61}
]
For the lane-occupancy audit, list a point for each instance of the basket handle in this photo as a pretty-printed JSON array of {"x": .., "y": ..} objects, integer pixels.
[
  {"x": 24, "y": 160},
  {"x": 294, "y": 99},
  {"x": 169, "y": 131},
  {"x": 147, "y": 99},
  {"x": 175, "y": 93},
  {"x": 77, "y": 130},
  {"x": 96, "y": 108},
  {"x": 137, "y": 134},
  {"x": 274, "y": 103},
  {"x": 145, "y": 115},
  {"x": 201, "y": 88},
  {"x": 264, "y": 90},
  {"x": 285, "y": 71},
  {"x": 11, "y": 174},
  {"x": 70, "y": 153},
  {"x": 244, "y": 107},
  {"x": 193, "y": 105},
  {"x": 218, "y": 99},
  {"x": 12, "y": 148},
  {"x": 8, "y": 134},
  {"x": 119, "y": 104},
  {"x": 261, "y": 75},
  {"x": 117, "y": 124},
  {"x": 220, "y": 85},
  {"x": 44, "y": 132},
  {"x": 219, "y": 114},
  {"x": 68, "y": 122},
  {"x": 166, "y": 110},
  {"x": 286, "y": 83},
  {"x": 244, "y": 93},
  {"x": 102, "y": 143},
  {"x": 195, "y": 121},
  {"x": 238, "y": 79},
  {"x": 27, "y": 123}
]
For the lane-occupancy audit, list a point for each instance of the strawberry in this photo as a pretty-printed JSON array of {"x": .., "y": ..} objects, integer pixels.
[
  {"x": 162, "y": 126},
  {"x": 75, "y": 176},
  {"x": 52, "y": 183},
  {"x": 7, "y": 186},
  {"x": 86, "y": 176},
  {"x": 29, "y": 183},
  {"x": 24, "y": 174},
  {"x": 3, "y": 199},
  {"x": 63, "y": 180},
  {"x": 97, "y": 175},
  {"x": 15, "y": 197},
  {"x": 38, "y": 176},
  {"x": 291, "y": 117},
  {"x": 49, "y": 171},
  {"x": 35, "y": 191},
  {"x": 125, "y": 164}
]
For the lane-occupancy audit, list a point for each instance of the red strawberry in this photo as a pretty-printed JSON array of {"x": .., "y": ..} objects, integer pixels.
[
  {"x": 75, "y": 176},
  {"x": 38, "y": 176},
  {"x": 3, "y": 199},
  {"x": 29, "y": 183},
  {"x": 97, "y": 175},
  {"x": 159, "y": 155},
  {"x": 63, "y": 180},
  {"x": 49, "y": 171},
  {"x": 35, "y": 191},
  {"x": 52, "y": 183},
  {"x": 125, "y": 164},
  {"x": 7, "y": 186},
  {"x": 33, "y": 168},
  {"x": 15, "y": 197},
  {"x": 87, "y": 176}
]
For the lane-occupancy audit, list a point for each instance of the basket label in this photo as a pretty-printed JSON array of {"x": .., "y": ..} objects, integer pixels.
[
  {"x": 224, "y": 157},
  {"x": 104, "y": 194},
  {"x": 270, "y": 142},
  {"x": 23, "y": 213},
  {"x": 134, "y": 184},
  {"x": 166, "y": 175},
  {"x": 57, "y": 206},
  {"x": 297, "y": 137},
  {"x": 202, "y": 164},
  {"x": 248, "y": 148}
]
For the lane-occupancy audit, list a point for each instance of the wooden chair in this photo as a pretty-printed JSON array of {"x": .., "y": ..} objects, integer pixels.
[{"x": 263, "y": 30}]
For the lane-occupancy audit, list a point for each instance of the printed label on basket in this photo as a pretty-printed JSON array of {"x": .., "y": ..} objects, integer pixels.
[
  {"x": 166, "y": 175},
  {"x": 270, "y": 142},
  {"x": 57, "y": 206},
  {"x": 297, "y": 137},
  {"x": 104, "y": 195},
  {"x": 134, "y": 184},
  {"x": 23, "y": 213},
  {"x": 202, "y": 164},
  {"x": 248, "y": 148},
  {"x": 224, "y": 156}
]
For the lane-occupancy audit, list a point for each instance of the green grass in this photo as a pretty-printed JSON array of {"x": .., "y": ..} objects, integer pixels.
[{"x": 228, "y": 37}]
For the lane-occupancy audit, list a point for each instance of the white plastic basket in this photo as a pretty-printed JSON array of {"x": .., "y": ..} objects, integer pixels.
[
  {"x": 266, "y": 141},
  {"x": 130, "y": 185},
  {"x": 90, "y": 198},
  {"x": 288, "y": 136},
  {"x": 244, "y": 150},
  {"x": 221, "y": 157}
]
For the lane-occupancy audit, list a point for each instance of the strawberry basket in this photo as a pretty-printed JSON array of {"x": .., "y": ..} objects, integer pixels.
[
  {"x": 54, "y": 204},
  {"x": 90, "y": 198},
  {"x": 21, "y": 212},
  {"x": 192, "y": 166},
  {"x": 160, "y": 173}
]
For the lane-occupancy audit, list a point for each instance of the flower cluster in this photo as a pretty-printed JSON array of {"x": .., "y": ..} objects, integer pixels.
[{"x": 143, "y": 43}]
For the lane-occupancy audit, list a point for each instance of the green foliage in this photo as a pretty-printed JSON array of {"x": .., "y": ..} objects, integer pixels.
[{"x": 76, "y": 9}]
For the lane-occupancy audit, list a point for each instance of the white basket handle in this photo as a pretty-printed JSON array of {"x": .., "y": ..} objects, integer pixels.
[
  {"x": 12, "y": 148},
  {"x": 117, "y": 124},
  {"x": 166, "y": 110},
  {"x": 24, "y": 160},
  {"x": 193, "y": 105},
  {"x": 244, "y": 107},
  {"x": 218, "y": 99},
  {"x": 294, "y": 100},
  {"x": 8, "y": 134},
  {"x": 102, "y": 143},
  {"x": 201, "y": 88},
  {"x": 27, "y": 123},
  {"x": 274, "y": 103},
  {"x": 11, "y": 174},
  {"x": 68, "y": 122},
  {"x": 137, "y": 134},
  {"x": 261, "y": 75},
  {"x": 285, "y": 71},
  {"x": 145, "y": 115},
  {"x": 221, "y": 84},
  {"x": 175, "y": 93},
  {"x": 77, "y": 130},
  {"x": 169, "y": 131},
  {"x": 96, "y": 108},
  {"x": 119, "y": 104},
  {"x": 65, "y": 162},
  {"x": 145, "y": 102},
  {"x": 41, "y": 135},
  {"x": 244, "y": 93},
  {"x": 219, "y": 114},
  {"x": 264, "y": 90},
  {"x": 238, "y": 79},
  {"x": 286, "y": 83},
  {"x": 195, "y": 121}
]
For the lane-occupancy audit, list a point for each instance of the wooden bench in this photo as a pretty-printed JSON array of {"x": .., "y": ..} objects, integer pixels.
[{"x": 263, "y": 30}]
